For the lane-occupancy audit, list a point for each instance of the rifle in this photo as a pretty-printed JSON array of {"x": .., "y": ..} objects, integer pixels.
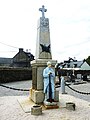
[{"x": 50, "y": 88}]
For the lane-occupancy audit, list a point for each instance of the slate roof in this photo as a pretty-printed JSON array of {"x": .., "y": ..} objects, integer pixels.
[
  {"x": 5, "y": 60},
  {"x": 71, "y": 63},
  {"x": 76, "y": 64}
]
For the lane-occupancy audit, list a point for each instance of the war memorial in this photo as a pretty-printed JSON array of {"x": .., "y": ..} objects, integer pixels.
[
  {"x": 43, "y": 55},
  {"x": 34, "y": 106}
]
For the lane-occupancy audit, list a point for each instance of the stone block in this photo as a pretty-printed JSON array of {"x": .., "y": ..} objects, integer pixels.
[
  {"x": 36, "y": 110},
  {"x": 70, "y": 106},
  {"x": 37, "y": 96}
]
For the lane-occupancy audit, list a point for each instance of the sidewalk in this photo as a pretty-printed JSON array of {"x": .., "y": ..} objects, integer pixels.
[{"x": 10, "y": 109}]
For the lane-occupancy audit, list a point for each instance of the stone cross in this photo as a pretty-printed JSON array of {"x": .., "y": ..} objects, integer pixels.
[{"x": 43, "y": 10}]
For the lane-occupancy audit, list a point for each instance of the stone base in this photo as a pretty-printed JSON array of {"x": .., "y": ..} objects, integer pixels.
[
  {"x": 36, "y": 96},
  {"x": 36, "y": 110},
  {"x": 50, "y": 105},
  {"x": 70, "y": 106}
]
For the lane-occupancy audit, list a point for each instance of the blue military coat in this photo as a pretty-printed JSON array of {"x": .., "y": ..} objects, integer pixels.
[{"x": 46, "y": 72}]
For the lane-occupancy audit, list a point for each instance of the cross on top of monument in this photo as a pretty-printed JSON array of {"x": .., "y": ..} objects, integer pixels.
[{"x": 43, "y": 10}]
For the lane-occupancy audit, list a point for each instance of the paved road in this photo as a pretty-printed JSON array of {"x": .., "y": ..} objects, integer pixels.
[
  {"x": 28, "y": 83},
  {"x": 81, "y": 88},
  {"x": 21, "y": 84}
]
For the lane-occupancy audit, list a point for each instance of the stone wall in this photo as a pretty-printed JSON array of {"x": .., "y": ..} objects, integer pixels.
[{"x": 15, "y": 74}]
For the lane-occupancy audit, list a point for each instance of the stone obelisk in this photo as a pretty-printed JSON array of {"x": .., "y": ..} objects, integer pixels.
[
  {"x": 43, "y": 47},
  {"x": 43, "y": 55}
]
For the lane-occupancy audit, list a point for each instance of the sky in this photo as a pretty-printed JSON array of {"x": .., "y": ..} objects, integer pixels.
[{"x": 69, "y": 23}]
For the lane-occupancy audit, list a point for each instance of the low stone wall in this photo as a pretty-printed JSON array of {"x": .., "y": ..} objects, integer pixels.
[{"x": 15, "y": 74}]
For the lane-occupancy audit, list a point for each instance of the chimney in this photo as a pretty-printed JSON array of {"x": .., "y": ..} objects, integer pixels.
[{"x": 20, "y": 49}]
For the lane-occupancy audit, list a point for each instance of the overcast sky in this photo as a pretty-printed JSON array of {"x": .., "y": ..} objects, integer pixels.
[{"x": 69, "y": 27}]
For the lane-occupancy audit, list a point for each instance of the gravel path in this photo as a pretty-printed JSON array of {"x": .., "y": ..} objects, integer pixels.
[{"x": 10, "y": 108}]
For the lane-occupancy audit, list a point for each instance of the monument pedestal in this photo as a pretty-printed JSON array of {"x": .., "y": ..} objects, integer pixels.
[
  {"x": 37, "y": 96},
  {"x": 36, "y": 92}
]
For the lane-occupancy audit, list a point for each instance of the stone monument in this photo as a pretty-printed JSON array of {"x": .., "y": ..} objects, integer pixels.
[{"x": 43, "y": 55}]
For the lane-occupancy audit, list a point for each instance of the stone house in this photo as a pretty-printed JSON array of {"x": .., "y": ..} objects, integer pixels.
[
  {"x": 80, "y": 69},
  {"x": 22, "y": 59},
  {"x": 71, "y": 63},
  {"x": 78, "y": 65}
]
